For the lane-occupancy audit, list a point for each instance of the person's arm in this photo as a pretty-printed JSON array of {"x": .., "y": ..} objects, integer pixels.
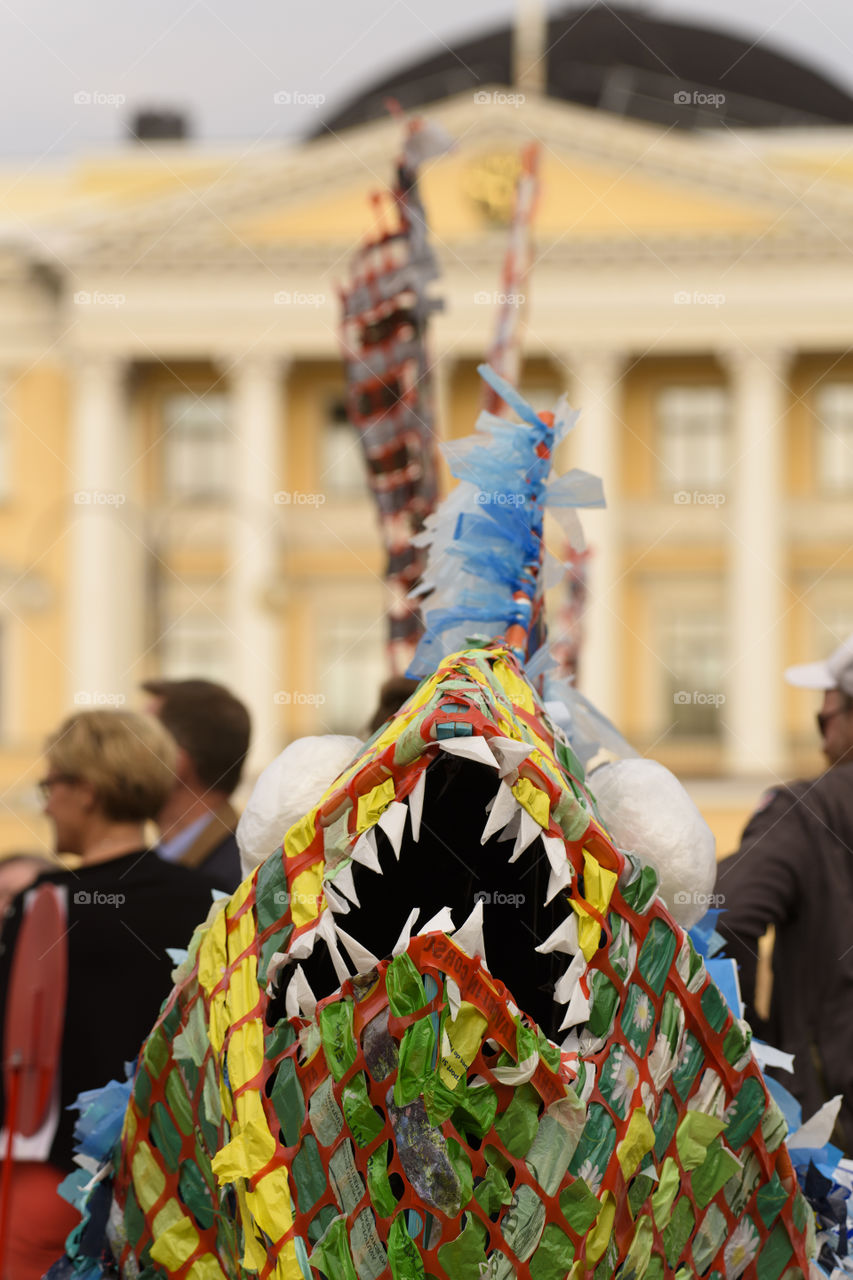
[{"x": 761, "y": 883}]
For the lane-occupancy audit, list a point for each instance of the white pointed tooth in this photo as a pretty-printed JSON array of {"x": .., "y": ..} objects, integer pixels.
[
  {"x": 307, "y": 999},
  {"x": 344, "y": 883},
  {"x": 571, "y": 1044},
  {"x": 338, "y": 963},
  {"x": 509, "y": 753},
  {"x": 336, "y": 902},
  {"x": 504, "y": 806},
  {"x": 555, "y": 848},
  {"x": 363, "y": 959},
  {"x": 578, "y": 1010},
  {"x": 564, "y": 937},
  {"x": 473, "y": 748},
  {"x": 469, "y": 936},
  {"x": 416, "y": 805},
  {"x": 565, "y": 986},
  {"x": 303, "y": 946},
  {"x": 328, "y": 932},
  {"x": 454, "y": 997},
  {"x": 291, "y": 999},
  {"x": 299, "y": 997},
  {"x": 278, "y": 960},
  {"x": 511, "y": 829},
  {"x": 442, "y": 922},
  {"x": 365, "y": 851},
  {"x": 406, "y": 936},
  {"x": 528, "y": 830},
  {"x": 393, "y": 823},
  {"x": 558, "y": 880}
]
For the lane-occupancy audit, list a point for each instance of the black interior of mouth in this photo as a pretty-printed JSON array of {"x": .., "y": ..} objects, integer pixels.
[{"x": 448, "y": 867}]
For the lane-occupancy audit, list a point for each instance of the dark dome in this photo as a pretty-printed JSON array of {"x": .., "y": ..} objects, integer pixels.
[{"x": 630, "y": 63}]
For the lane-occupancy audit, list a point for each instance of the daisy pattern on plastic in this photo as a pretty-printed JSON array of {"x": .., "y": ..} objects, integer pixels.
[
  {"x": 591, "y": 1174},
  {"x": 644, "y": 1012},
  {"x": 625, "y": 1083},
  {"x": 741, "y": 1248}
]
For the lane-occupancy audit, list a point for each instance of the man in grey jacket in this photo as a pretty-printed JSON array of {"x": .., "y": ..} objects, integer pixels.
[{"x": 794, "y": 870}]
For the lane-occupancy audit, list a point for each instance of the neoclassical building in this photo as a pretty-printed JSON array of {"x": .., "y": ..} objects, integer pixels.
[{"x": 182, "y": 493}]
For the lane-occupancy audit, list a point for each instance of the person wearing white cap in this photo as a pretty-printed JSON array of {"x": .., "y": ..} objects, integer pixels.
[
  {"x": 794, "y": 870},
  {"x": 835, "y": 718}
]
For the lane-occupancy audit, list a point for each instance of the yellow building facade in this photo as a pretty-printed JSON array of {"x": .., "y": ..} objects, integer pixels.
[{"x": 181, "y": 493}]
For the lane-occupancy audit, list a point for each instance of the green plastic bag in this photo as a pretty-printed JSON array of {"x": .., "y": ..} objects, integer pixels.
[
  {"x": 332, "y": 1253},
  {"x": 364, "y": 1123},
  {"x": 378, "y": 1184},
  {"x": 517, "y": 1127},
  {"x": 417, "y": 1059},
  {"x": 405, "y": 987},
  {"x": 338, "y": 1038},
  {"x": 406, "y": 1262}
]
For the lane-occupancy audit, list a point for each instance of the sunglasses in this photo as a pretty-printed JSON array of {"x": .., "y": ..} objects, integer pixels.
[
  {"x": 44, "y": 784},
  {"x": 823, "y": 718}
]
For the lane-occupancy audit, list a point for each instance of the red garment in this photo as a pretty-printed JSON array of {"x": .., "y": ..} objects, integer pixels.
[{"x": 39, "y": 1220}]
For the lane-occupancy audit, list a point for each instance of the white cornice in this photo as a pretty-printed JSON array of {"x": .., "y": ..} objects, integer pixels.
[{"x": 184, "y": 228}]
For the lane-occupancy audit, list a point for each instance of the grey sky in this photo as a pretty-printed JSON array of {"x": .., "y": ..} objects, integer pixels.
[{"x": 223, "y": 60}]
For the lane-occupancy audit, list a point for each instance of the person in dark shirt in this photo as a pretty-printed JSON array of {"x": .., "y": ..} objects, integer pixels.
[
  {"x": 108, "y": 772},
  {"x": 794, "y": 870},
  {"x": 212, "y": 729}
]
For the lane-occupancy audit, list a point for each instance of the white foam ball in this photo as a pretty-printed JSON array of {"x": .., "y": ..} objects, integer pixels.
[
  {"x": 647, "y": 812},
  {"x": 287, "y": 789}
]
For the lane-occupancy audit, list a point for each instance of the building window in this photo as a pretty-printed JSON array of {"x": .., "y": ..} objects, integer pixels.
[
  {"x": 195, "y": 645},
  {"x": 692, "y": 436},
  {"x": 541, "y": 399},
  {"x": 352, "y": 664},
  {"x": 834, "y": 407},
  {"x": 343, "y": 470},
  {"x": 833, "y": 621},
  {"x": 196, "y": 445},
  {"x": 692, "y": 652}
]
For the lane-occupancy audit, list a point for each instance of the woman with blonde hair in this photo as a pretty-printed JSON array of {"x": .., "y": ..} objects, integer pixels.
[{"x": 108, "y": 773}]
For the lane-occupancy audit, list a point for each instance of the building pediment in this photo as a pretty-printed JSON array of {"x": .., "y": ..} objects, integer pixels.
[{"x": 609, "y": 185}]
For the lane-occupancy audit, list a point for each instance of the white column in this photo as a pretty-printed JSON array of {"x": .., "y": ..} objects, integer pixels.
[
  {"x": 754, "y": 686},
  {"x": 596, "y": 392},
  {"x": 258, "y": 423},
  {"x": 98, "y": 642}
]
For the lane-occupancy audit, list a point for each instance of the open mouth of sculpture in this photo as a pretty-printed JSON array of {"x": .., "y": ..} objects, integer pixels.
[{"x": 440, "y": 861}]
